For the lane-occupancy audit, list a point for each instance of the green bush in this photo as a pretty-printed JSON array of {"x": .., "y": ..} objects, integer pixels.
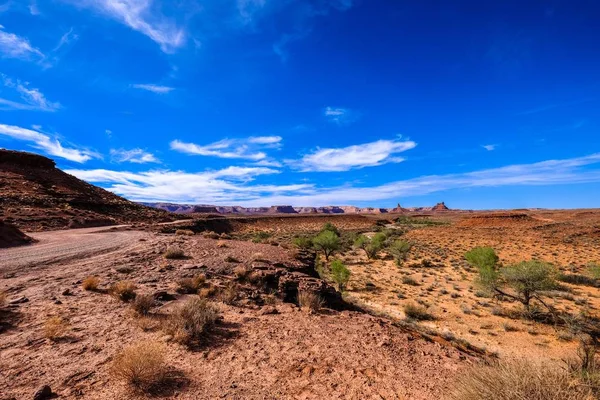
[
  {"x": 327, "y": 242},
  {"x": 482, "y": 257},
  {"x": 302, "y": 242},
  {"x": 329, "y": 227},
  {"x": 399, "y": 249},
  {"x": 340, "y": 274},
  {"x": 371, "y": 246}
]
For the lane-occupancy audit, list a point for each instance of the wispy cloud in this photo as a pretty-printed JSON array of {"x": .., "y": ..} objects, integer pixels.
[
  {"x": 49, "y": 145},
  {"x": 235, "y": 185},
  {"x": 339, "y": 115},
  {"x": 549, "y": 107},
  {"x": 248, "y": 149},
  {"x": 66, "y": 39},
  {"x": 143, "y": 16},
  {"x": 14, "y": 46},
  {"x": 32, "y": 98},
  {"x": 136, "y": 156},
  {"x": 159, "y": 89},
  {"x": 490, "y": 147},
  {"x": 354, "y": 157}
]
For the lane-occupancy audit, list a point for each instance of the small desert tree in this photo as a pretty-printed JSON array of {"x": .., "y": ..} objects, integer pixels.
[
  {"x": 340, "y": 274},
  {"x": 399, "y": 249},
  {"x": 327, "y": 242},
  {"x": 528, "y": 279},
  {"x": 371, "y": 246},
  {"x": 482, "y": 257},
  {"x": 328, "y": 226}
]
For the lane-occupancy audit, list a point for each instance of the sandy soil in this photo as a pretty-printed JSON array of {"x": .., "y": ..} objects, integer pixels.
[{"x": 291, "y": 354}]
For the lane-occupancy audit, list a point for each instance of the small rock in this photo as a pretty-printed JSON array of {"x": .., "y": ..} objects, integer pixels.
[
  {"x": 57, "y": 302},
  {"x": 270, "y": 310},
  {"x": 166, "y": 338},
  {"x": 67, "y": 292},
  {"x": 43, "y": 393},
  {"x": 164, "y": 296},
  {"x": 19, "y": 300}
]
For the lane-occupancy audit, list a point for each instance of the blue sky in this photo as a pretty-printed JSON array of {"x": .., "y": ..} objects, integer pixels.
[{"x": 481, "y": 104}]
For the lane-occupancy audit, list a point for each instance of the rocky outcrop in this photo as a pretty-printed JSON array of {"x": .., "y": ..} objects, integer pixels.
[
  {"x": 282, "y": 210},
  {"x": 440, "y": 207},
  {"x": 35, "y": 195},
  {"x": 11, "y": 236}
]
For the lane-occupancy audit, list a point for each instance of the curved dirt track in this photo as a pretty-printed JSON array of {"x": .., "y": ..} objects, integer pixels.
[{"x": 65, "y": 245}]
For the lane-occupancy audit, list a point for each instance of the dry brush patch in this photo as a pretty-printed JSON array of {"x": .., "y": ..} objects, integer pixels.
[
  {"x": 191, "y": 322},
  {"x": 55, "y": 328},
  {"x": 123, "y": 290},
  {"x": 91, "y": 283},
  {"x": 142, "y": 365},
  {"x": 309, "y": 300}
]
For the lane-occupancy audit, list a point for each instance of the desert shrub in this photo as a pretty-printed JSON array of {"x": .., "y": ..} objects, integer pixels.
[
  {"x": 371, "y": 246},
  {"x": 3, "y": 298},
  {"x": 141, "y": 365},
  {"x": 174, "y": 253},
  {"x": 192, "y": 321},
  {"x": 399, "y": 249},
  {"x": 190, "y": 285},
  {"x": 340, "y": 274},
  {"x": 91, "y": 283},
  {"x": 594, "y": 270},
  {"x": 577, "y": 279},
  {"x": 407, "y": 280},
  {"x": 231, "y": 259},
  {"x": 184, "y": 232},
  {"x": 55, "y": 328},
  {"x": 417, "y": 312},
  {"x": 329, "y": 227},
  {"x": 482, "y": 257},
  {"x": 327, "y": 242},
  {"x": 229, "y": 294},
  {"x": 309, "y": 300},
  {"x": 261, "y": 236},
  {"x": 518, "y": 380},
  {"x": 302, "y": 242},
  {"x": 143, "y": 304},
  {"x": 123, "y": 290},
  {"x": 242, "y": 272}
]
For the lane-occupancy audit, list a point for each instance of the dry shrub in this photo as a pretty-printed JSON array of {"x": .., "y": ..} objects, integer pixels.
[
  {"x": 123, "y": 290},
  {"x": 192, "y": 321},
  {"x": 207, "y": 292},
  {"x": 174, "y": 253},
  {"x": 3, "y": 298},
  {"x": 210, "y": 235},
  {"x": 221, "y": 244},
  {"x": 141, "y": 365},
  {"x": 241, "y": 273},
  {"x": 229, "y": 294},
  {"x": 191, "y": 285},
  {"x": 143, "y": 304},
  {"x": 55, "y": 328},
  {"x": 417, "y": 312},
  {"x": 518, "y": 380},
  {"x": 184, "y": 232},
  {"x": 91, "y": 283},
  {"x": 309, "y": 300}
]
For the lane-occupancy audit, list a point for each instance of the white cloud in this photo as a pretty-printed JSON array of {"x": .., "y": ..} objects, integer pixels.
[
  {"x": 340, "y": 116},
  {"x": 66, "y": 39},
  {"x": 247, "y": 8},
  {"x": 136, "y": 156},
  {"x": 153, "y": 88},
  {"x": 14, "y": 46},
  {"x": 248, "y": 149},
  {"x": 108, "y": 132},
  {"x": 490, "y": 147},
  {"x": 42, "y": 141},
  {"x": 353, "y": 157},
  {"x": 33, "y": 8},
  {"x": 235, "y": 185},
  {"x": 32, "y": 97},
  {"x": 143, "y": 16}
]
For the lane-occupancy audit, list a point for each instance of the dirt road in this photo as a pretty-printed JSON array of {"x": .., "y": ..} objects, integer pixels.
[{"x": 65, "y": 245}]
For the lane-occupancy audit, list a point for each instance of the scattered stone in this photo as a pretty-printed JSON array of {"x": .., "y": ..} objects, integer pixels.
[
  {"x": 67, "y": 292},
  {"x": 43, "y": 393},
  {"x": 164, "y": 296},
  {"x": 269, "y": 310},
  {"x": 19, "y": 300}
]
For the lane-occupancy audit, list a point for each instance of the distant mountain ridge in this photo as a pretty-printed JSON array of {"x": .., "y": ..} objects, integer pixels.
[{"x": 288, "y": 209}]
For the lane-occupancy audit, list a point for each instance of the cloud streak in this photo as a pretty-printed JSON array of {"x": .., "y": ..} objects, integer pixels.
[
  {"x": 354, "y": 157},
  {"x": 339, "y": 115},
  {"x": 248, "y": 149},
  {"x": 32, "y": 97},
  {"x": 49, "y": 145},
  {"x": 234, "y": 185},
  {"x": 158, "y": 89},
  {"x": 136, "y": 156},
  {"x": 142, "y": 16},
  {"x": 14, "y": 46}
]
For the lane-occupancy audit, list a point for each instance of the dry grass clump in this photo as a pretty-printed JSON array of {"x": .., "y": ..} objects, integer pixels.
[
  {"x": 192, "y": 321},
  {"x": 123, "y": 290},
  {"x": 241, "y": 273},
  {"x": 417, "y": 312},
  {"x": 184, "y": 232},
  {"x": 55, "y": 328},
  {"x": 519, "y": 380},
  {"x": 191, "y": 285},
  {"x": 143, "y": 304},
  {"x": 207, "y": 292},
  {"x": 229, "y": 294},
  {"x": 141, "y": 365},
  {"x": 3, "y": 298},
  {"x": 91, "y": 283},
  {"x": 309, "y": 300},
  {"x": 174, "y": 253}
]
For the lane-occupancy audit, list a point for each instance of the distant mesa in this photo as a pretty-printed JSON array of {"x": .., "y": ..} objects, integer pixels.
[
  {"x": 282, "y": 210},
  {"x": 440, "y": 207}
]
